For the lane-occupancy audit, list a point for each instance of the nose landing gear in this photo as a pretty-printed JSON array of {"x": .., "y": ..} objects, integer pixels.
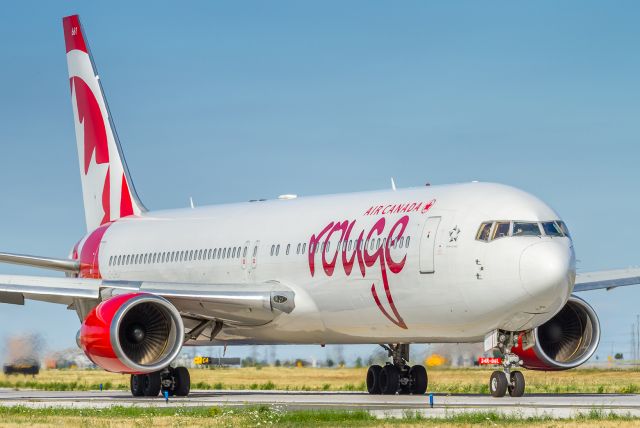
[
  {"x": 397, "y": 376},
  {"x": 505, "y": 380},
  {"x": 176, "y": 381}
]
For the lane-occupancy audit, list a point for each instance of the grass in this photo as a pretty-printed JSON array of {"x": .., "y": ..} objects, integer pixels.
[
  {"x": 454, "y": 381},
  {"x": 265, "y": 415}
]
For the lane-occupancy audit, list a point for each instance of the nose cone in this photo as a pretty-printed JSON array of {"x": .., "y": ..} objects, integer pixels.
[{"x": 547, "y": 273}]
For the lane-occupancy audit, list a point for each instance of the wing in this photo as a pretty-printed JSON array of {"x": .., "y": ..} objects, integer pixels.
[
  {"x": 234, "y": 304},
  {"x": 607, "y": 279},
  {"x": 65, "y": 265}
]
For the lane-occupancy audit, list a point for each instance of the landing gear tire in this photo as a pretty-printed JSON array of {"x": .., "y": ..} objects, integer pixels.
[
  {"x": 151, "y": 384},
  {"x": 389, "y": 379},
  {"x": 182, "y": 382},
  {"x": 498, "y": 384},
  {"x": 516, "y": 386},
  {"x": 419, "y": 380},
  {"x": 136, "y": 384},
  {"x": 404, "y": 381},
  {"x": 373, "y": 380}
]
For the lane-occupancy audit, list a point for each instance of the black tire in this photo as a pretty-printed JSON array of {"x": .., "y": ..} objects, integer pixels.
[
  {"x": 405, "y": 388},
  {"x": 498, "y": 384},
  {"x": 373, "y": 380},
  {"x": 389, "y": 379},
  {"x": 516, "y": 386},
  {"x": 183, "y": 382},
  {"x": 136, "y": 384},
  {"x": 151, "y": 384},
  {"x": 419, "y": 380},
  {"x": 170, "y": 391}
]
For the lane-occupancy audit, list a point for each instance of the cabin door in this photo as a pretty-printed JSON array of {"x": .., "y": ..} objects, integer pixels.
[{"x": 427, "y": 244}]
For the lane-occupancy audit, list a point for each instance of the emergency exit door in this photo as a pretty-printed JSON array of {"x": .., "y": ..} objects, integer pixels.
[{"x": 428, "y": 244}]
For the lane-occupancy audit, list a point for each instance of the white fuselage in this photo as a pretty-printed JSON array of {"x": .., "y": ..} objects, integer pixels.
[{"x": 451, "y": 287}]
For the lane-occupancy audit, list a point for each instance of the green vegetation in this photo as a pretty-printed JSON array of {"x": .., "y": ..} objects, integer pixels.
[{"x": 265, "y": 415}]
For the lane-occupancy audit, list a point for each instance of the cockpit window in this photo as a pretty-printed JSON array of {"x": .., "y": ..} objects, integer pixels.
[
  {"x": 563, "y": 227},
  {"x": 521, "y": 228},
  {"x": 551, "y": 228},
  {"x": 484, "y": 232},
  {"x": 501, "y": 230}
]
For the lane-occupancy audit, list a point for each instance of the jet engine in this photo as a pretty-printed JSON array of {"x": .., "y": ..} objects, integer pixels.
[
  {"x": 132, "y": 333},
  {"x": 566, "y": 341}
]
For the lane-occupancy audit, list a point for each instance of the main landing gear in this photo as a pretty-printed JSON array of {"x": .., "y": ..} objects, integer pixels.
[
  {"x": 176, "y": 381},
  {"x": 505, "y": 380},
  {"x": 397, "y": 376}
]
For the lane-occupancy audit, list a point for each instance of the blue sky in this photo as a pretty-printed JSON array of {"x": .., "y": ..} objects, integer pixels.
[{"x": 230, "y": 101}]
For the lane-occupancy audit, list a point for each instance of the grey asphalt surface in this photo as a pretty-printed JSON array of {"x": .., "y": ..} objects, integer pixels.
[{"x": 554, "y": 405}]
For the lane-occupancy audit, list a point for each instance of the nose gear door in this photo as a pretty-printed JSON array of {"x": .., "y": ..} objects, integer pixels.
[{"x": 427, "y": 244}]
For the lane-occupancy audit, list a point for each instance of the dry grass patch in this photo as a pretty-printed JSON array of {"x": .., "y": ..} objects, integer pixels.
[{"x": 453, "y": 381}]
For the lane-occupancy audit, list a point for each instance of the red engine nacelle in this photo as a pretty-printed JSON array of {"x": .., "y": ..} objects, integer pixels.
[
  {"x": 566, "y": 341},
  {"x": 132, "y": 333}
]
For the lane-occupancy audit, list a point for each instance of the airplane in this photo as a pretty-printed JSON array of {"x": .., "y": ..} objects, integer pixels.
[{"x": 466, "y": 262}]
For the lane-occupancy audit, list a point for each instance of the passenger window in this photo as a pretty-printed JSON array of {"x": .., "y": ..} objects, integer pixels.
[
  {"x": 298, "y": 249},
  {"x": 551, "y": 228},
  {"x": 501, "y": 230},
  {"x": 326, "y": 247},
  {"x": 234, "y": 253},
  {"x": 521, "y": 228},
  {"x": 349, "y": 245},
  {"x": 406, "y": 244},
  {"x": 273, "y": 249},
  {"x": 401, "y": 242},
  {"x": 244, "y": 252},
  {"x": 484, "y": 232},
  {"x": 277, "y": 249},
  {"x": 287, "y": 252}
]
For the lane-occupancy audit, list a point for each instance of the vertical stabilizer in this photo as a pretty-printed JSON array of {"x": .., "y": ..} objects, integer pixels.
[{"x": 107, "y": 188}]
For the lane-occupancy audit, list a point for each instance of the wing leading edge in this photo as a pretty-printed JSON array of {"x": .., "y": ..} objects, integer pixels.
[
  {"x": 240, "y": 304},
  {"x": 606, "y": 279}
]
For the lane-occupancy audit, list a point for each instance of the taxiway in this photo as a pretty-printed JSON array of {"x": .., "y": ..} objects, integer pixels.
[{"x": 553, "y": 405}]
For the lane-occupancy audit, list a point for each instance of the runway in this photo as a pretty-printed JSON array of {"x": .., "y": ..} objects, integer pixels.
[{"x": 554, "y": 405}]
